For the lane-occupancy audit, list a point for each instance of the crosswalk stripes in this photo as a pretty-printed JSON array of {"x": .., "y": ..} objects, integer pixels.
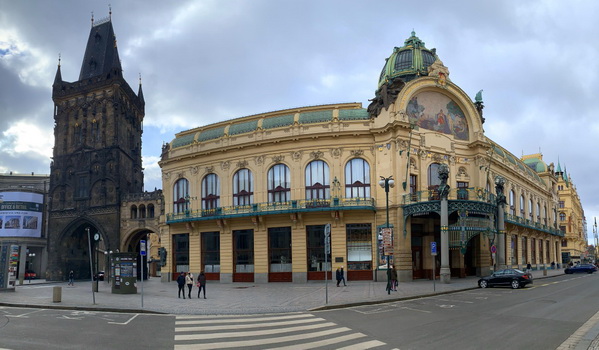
[{"x": 285, "y": 331}]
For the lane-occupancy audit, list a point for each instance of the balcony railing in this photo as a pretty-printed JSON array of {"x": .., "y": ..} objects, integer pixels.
[
  {"x": 518, "y": 220},
  {"x": 471, "y": 193},
  {"x": 294, "y": 206}
]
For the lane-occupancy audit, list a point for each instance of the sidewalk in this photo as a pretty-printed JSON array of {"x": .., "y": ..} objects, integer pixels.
[{"x": 235, "y": 298}]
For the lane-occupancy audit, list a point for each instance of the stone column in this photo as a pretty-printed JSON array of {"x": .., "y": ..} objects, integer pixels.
[{"x": 443, "y": 193}]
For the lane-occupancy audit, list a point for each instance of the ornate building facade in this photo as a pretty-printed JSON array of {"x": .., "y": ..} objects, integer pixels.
[
  {"x": 254, "y": 198},
  {"x": 571, "y": 219},
  {"x": 96, "y": 159}
]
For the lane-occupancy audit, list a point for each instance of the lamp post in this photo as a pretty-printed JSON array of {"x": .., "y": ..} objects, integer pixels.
[
  {"x": 596, "y": 238},
  {"x": 386, "y": 183}
]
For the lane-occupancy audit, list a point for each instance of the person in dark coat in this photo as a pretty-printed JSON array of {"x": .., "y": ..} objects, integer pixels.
[
  {"x": 181, "y": 284},
  {"x": 201, "y": 284},
  {"x": 389, "y": 279},
  {"x": 393, "y": 278},
  {"x": 340, "y": 276}
]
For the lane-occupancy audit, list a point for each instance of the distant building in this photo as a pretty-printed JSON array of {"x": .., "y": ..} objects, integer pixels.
[
  {"x": 571, "y": 219},
  {"x": 249, "y": 199},
  {"x": 23, "y": 219}
]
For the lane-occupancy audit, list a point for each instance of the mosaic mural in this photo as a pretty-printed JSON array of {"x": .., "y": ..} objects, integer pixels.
[{"x": 435, "y": 111}]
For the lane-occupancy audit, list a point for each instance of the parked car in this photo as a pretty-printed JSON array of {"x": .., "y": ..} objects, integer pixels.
[
  {"x": 509, "y": 277},
  {"x": 99, "y": 276},
  {"x": 30, "y": 275},
  {"x": 583, "y": 268}
]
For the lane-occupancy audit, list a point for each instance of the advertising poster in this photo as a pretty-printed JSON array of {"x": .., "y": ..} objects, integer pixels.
[{"x": 21, "y": 214}]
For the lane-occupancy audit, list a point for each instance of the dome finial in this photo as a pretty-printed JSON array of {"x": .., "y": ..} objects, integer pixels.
[
  {"x": 110, "y": 12},
  {"x": 92, "y": 19},
  {"x": 59, "y": 59}
]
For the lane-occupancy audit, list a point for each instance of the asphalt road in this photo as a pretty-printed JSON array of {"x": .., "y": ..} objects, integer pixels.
[{"x": 541, "y": 316}]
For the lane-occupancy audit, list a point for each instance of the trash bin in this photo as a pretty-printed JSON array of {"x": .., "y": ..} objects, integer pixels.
[{"x": 56, "y": 294}]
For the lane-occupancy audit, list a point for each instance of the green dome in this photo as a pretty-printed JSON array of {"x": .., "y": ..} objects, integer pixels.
[
  {"x": 408, "y": 62},
  {"x": 536, "y": 164}
]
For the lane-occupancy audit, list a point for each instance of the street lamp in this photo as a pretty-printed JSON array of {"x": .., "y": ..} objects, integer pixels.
[
  {"x": 386, "y": 183},
  {"x": 596, "y": 238}
]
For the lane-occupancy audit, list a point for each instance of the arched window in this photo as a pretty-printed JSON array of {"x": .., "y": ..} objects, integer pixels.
[
  {"x": 279, "y": 183},
  {"x": 142, "y": 211},
  {"x": 562, "y": 217},
  {"x": 210, "y": 192},
  {"x": 133, "y": 212},
  {"x": 531, "y": 209},
  {"x": 433, "y": 181},
  {"x": 545, "y": 214},
  {"x": 538, "y": 212},
  {"x": 150, "y": 211},
  {"x": 317, "y": 180},
  {"x": 522, "y": 206},
  {"x": 513, "y": 202},
  {"x": 180, "y": 191},
  {"x": 243, "y": 187},
  {"x": 357, "y": 179}
]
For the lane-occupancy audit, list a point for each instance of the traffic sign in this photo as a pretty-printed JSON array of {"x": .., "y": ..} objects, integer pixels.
[
  {"x": 142, "y": 247},
  {"x": 493, "y": 249},
  {"x": 433, "y": 248},
  {"x": 327, "y": 245},
  {"x": 327, "y": 230}
]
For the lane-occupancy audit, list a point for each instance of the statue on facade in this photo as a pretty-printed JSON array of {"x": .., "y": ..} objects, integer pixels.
[
  {"x": 443, "y": 176},
  {"x": 499, "y": 183},
  {"x": 385, "y": 96}
]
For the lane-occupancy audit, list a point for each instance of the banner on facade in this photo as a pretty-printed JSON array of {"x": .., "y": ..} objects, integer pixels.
[{"x": 21, "y": 214}]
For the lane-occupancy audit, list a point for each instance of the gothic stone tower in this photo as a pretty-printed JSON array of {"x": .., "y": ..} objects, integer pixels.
[{"x": 96, "y": 158}]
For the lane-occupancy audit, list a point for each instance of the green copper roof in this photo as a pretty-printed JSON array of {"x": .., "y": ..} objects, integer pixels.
[
  {"x": 315, "y": 117},
  {"x": 536, "y": 164},
  {"x": 241, "y": 128},
  {"x": 212, "y": 134},
  {"x": 408, "y": 61},
  {"x": 353, "y": 114},
  {"x": 183, "y": 140},
  {"x": 277, "y": 122}
]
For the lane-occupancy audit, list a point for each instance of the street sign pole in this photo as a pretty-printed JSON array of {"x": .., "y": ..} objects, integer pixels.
[
  {"x": 142, "y": 252},
  {"x": 327, "y": 251},
  {"x": 434, "y": 254}
]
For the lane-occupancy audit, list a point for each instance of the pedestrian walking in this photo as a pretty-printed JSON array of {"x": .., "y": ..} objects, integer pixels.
[
  {"x": 181, "y": 284},
  {"x": 389, "y": 279},
  {"x": 393, "y": 278},
  {"x": 201, "y": 284},
  {"x": 71, "y": 278},
  {"x": 528, "y": 268},
  {"x": 340, "y": 276},
  {"x": 189, "y": 282}
]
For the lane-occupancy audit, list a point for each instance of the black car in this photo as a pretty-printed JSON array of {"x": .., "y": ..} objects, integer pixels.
[
  {"x": 584, "y": 268},
  {"x": 509, "y": 277},
  {"x": 99, "y": 276}
]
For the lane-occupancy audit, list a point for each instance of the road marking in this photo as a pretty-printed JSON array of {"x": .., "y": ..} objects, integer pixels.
[
  {"x": 456, "y": 301},
  {"x": 252, "y": 333},
  {"x": 25, "y": 314},
  {"x": 252, "y": 319},
  {"x": 258, "y": 342},
  {"x": 127, "y": 322},
  {"x": 246, "y": 326},
  {"x": 576, "y": 337}
]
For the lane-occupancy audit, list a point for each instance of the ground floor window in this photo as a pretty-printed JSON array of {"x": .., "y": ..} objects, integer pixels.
[
  {"x": 541, "y": 255},
  {"x": 359, "y": 246},
  {"x": 279, "y": 244},
  {"x": 181, "y": 253},
  {"x": 547, "y": 251},
  {"x": 533, "y": 250},
  {"x": 243, "y": 255},
  {"x": 315, "y": 246},
  {"x": 513, "y": 249},
  {"x": 211, "y": 252}
]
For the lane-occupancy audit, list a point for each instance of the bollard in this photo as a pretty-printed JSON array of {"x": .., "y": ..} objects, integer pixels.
[
  {"x": 56, "y": 294},
  {"x": 544, "y": 270}
]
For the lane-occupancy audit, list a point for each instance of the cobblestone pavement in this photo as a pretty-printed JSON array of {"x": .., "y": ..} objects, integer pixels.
[{"x": 250, "y": 298}]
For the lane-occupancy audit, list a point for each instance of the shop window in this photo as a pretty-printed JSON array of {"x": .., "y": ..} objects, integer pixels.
[
  {"x": 243, "y": 241},
  {"x": 359, "y": 246},
  {"x": 181, "y": 253},
  {"x": 279, "y": 184},
  {"x": 211, "y": 252},
  {"x": 279, "y": 249},
  {"x": 357, "y": 179},
  {"x": 315, "y": 246}
]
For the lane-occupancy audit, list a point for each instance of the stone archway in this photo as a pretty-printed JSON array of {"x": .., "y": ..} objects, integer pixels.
[
  {"x": 131, "y": 243},
  {"x": 75, "y": 247}
]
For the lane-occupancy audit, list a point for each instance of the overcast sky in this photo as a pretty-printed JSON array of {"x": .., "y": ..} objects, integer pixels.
[{"x": 207, "y": 61}]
